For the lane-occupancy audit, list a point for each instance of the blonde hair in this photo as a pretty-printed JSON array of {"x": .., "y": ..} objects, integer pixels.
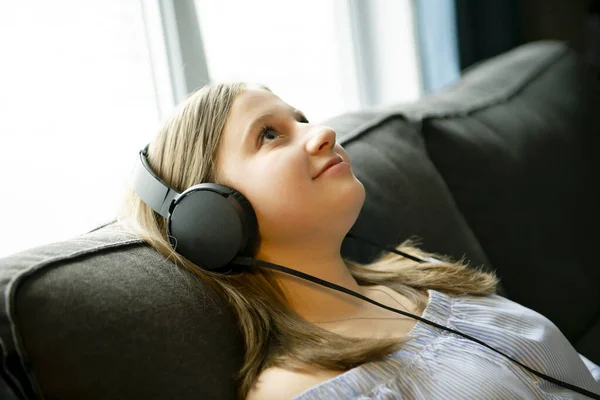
[{"x": 184, "y": 154}]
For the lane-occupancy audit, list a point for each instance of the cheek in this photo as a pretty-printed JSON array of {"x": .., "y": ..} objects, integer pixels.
[
  {"x": 282, "y": 172},
  {"x": 280, "y": 190},
  {"x": 281, "y": 210}
]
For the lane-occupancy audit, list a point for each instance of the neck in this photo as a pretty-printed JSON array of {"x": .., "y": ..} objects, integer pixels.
[{"x": 310, "y": 300}]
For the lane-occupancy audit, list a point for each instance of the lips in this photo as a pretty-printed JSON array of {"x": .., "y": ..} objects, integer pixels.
[{"x": 333, "y": 161}]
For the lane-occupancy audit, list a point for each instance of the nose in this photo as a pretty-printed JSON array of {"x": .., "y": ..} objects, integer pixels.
[{"x": 321, "y": 138}]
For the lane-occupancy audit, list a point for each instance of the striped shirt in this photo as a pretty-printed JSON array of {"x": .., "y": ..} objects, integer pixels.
[{"x": 437, "y": 364}]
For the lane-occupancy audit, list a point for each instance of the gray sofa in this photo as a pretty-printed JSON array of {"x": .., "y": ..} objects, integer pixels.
[{"x": 501, "y": 168}]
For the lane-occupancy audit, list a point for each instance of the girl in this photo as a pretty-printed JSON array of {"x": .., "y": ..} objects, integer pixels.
[{"x": 305, "y": 341}]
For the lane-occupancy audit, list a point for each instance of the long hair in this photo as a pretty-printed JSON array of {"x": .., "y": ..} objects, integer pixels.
[{"x": 184, "y": 154}]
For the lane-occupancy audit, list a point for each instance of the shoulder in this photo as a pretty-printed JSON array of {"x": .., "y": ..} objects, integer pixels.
[{"x": 278, "y": 383}]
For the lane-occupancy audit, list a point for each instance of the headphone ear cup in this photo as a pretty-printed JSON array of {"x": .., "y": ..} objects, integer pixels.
[
  {"x": 206, "y": 227},
  {"x": 211, "y": 224}
]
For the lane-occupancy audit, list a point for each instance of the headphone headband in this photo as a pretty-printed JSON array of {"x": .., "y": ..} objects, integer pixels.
[{"x": 152, "y": 190}]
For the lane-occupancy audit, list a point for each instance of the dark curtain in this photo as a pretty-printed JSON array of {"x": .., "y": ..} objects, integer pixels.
[{"x": 486, "y": 28}]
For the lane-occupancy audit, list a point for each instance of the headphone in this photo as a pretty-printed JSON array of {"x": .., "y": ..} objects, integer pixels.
[{"x": 214, "y": 227}]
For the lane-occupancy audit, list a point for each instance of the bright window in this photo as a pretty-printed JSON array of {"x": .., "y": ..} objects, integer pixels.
[
  {"x": 291, "y": 46},
  {"x": 77, "y": 101},
  {"x": 81, "y": 91}
]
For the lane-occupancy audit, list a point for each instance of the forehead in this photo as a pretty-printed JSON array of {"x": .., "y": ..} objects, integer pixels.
[{"x": 252, "y": 103}]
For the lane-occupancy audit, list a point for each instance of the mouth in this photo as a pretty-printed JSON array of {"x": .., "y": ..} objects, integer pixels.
[{"x": 333, "y": 161}]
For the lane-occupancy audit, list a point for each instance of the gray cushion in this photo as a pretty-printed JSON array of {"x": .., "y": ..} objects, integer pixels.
[{"x": 103, "y": 316}]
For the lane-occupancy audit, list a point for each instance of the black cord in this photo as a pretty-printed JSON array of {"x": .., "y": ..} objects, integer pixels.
[{"x": 391, "y": 249}]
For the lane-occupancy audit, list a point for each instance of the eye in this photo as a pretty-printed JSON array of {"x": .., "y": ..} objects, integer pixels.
[{"x": 267, "y": 132}]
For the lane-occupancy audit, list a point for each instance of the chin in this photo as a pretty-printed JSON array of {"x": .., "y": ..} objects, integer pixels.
[
  {"x": 351, "y": 199},
  {"x": 359, "y": 189}
]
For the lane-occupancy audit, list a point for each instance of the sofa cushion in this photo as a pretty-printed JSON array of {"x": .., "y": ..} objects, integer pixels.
[
  {"x": 103, "y": 316},
  {"x": 517, "y": 142}
]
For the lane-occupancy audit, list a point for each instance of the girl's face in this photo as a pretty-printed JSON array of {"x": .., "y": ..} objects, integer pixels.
[{"x": 276, "y": 158}]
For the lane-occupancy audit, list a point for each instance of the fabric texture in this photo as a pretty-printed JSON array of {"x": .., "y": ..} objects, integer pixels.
[
  {"x": 517, "y": 144},
  {"x": 104, "y": 316},
  {"x": 437, "y": 364}
]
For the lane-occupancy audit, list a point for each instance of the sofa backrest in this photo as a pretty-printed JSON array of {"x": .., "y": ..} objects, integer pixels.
[{"x": 517, "y": 143}]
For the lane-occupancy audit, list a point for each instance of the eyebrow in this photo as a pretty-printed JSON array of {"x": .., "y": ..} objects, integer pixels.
[{"x": 295, "y": 112}]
